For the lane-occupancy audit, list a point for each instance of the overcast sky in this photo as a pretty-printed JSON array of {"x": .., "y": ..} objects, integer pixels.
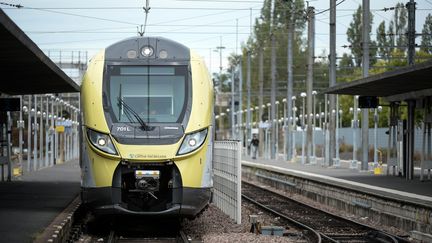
[{"x": 93, "y": 25}]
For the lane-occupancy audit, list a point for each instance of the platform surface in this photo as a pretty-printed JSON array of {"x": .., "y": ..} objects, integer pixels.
[
  {"x": 397, "y": 183},
  {"x": 30, "y": 203}
]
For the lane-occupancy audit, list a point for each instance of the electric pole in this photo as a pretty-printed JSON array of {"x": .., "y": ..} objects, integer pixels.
[
  {"x": 273, "y": 84},
  {"x": 309, "y": 79},
  {"x": 260, "y": 98},
  {"x": 289, "y": 127},
  {"x": 365, "y": 61},
  {"x": 332, "y": 82},
  {"x": 240, "y": 109},
  {"x": 411, "y": 31},
  {"x": 248, "y": 113},
  {"x": 219, "y": 93}
]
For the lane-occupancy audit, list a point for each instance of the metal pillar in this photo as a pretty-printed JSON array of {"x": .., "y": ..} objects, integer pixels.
[
  {"x": 303, "y": 95},
  {"x": 314, "y": 94},
  {"x": 20, "y": 133},
  {"x": 411, "y": 31},
  {"x": 248, "y": 106},
  {"x": 29, "y": 132},
  {"x": 9, "y": 144},
  {"x": 355, "y": 126},
  {"x": 41, "y": 133},
  {"x": 309, "y": 79},
  {"x": 276, "y": 122},
  {"x": 35, "y": 132},
  {"x": 273, "y": 85},
  {"x": 261, "y": 99},
  {"x": 289, "y": 128},
  {"x": 233, "y": 104},
  {"x": 326, "y": 146},
  {"x": 365, "y": 62},
  {"x": 336, "y": 160},
  {"x": 410, "y": 140},
  {"x": 240, "y": 110},
  {"x": 332, "y": 81},
  {"x": 46, "y": 114},
  {"x": 294, "y": 127}
]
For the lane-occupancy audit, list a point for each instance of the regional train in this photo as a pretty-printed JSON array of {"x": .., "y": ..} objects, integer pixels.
[{"x": 147, "y": 130}]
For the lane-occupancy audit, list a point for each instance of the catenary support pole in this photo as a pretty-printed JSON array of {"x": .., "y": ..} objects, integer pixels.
[
  {"x": 309, "y": 80},
  {"x": 332, "y": 82},
  {"x": 261, "y": 98},
  {"x": 411, "y": 31},
  {"x": 365, "y": 62},
  {"x": 273, "y": 84},
  {"x": 289, "y": 129}
]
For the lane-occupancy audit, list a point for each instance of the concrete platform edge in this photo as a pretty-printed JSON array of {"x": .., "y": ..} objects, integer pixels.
[
  {"x": 59, "y": 228},
  {"x": 361, "y": 187}
]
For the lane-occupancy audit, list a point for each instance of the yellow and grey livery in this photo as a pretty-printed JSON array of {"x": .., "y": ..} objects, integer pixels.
[{"x": 147, "y": 130}]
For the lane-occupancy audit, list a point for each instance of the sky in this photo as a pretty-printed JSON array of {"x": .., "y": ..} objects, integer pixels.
[{"x": 202, "y": 25}]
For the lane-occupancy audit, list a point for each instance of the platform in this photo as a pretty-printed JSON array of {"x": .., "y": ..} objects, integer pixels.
[
  {"x": 29, "y": 204},
  {"x": 383, "y": 199},
  {"x": 368, "y": 178}
]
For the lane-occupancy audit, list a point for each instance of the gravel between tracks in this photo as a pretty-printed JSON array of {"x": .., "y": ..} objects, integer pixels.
[{"x": 214, "y": 226}]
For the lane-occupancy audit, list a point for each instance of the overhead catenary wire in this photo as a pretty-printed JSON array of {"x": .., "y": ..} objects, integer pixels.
[
  {"x": 146, "y": 12},
  {"x": 323, "y": 11}
]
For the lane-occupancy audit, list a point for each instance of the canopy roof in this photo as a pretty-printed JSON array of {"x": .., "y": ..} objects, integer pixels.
[{"x": 24, "y": 67}]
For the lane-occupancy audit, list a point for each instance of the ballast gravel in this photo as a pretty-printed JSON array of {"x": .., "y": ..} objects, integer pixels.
[{"x": 213, "y": 226}]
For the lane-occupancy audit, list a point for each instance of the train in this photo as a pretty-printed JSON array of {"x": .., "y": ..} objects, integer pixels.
[{"x": 147, "y": 130}]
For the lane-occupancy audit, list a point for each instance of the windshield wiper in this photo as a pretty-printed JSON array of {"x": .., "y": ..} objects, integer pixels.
[{"x": 130, "y": 111}]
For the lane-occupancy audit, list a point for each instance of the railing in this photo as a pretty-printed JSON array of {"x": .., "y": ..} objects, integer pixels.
[{"x": 227, "y": 178}]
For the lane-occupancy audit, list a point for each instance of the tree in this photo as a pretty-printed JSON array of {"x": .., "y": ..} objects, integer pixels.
[
  {"x": 354, "y": 36},
  {"x": 346, "y": 65},
  {"x": 426, "y": 42},
  {"x": 400, "y": 21},
  {"x": 382, "y": 41}
]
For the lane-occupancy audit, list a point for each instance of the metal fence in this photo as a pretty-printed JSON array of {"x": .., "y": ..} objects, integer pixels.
[{"x": 227, "y": 178}]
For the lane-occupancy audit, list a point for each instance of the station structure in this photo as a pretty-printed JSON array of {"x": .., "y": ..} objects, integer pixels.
[
  {"x": 39, "y": 129},
  {"x": 36, "y": 197},
  {"x": 411, "y": 85}
]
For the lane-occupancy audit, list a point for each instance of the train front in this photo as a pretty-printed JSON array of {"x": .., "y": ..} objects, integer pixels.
[{"x": 147, "y": 130}]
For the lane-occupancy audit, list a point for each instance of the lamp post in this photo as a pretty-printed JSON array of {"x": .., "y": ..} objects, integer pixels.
[
  {"x": 355, "y": 111},
  {"x": 267, "y": 133},
  {"x": 219, "y": 89},
  {"x": 313, "y": 159},
  {"x": 276, "y": 122},
  {"x": 294, "y": 127},
  {"x": 257, "y": 116},
  {"x": 303, "y": 95},
  {"x": 336, "y": 160},
  {"x": 285, "y": 126},
  {"x": 376, "y": 120}
]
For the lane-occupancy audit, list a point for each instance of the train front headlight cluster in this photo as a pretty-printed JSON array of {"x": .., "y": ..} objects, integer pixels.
[
  {"x": 147, "y": 51},
  {"x": 101, "y": 141},
  {"x": 192, "y": 142}
]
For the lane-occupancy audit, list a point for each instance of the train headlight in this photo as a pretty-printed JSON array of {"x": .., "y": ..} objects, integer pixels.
[
  {"x": 101, "y": 141},
  {"x": 192, "y": 142},
  {"x": 147, "y": 51}
]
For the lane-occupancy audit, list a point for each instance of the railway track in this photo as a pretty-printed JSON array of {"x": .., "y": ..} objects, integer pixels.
[
  {"x": 118, "y": 237},
  {"x": 331, "y": 228},
  {"x": 123, "y": 229}
]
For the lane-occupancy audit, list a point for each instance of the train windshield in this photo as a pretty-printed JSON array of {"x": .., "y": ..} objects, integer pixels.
[{"x": 154, "y": 93}]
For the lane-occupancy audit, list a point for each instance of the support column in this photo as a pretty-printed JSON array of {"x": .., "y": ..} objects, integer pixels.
[
  {"x": 410, "y": 140},
  {"x": 289, "y": 128},
  {"x": 332, "y": 81},
  {"x": 365, "y": 62},
  {"x": 29, "y": 132},
  {"x": 309, "y": 80}
]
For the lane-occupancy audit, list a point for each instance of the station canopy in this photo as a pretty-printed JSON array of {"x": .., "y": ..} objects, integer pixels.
[
  {"x": 405, "y": 83},
  {"x": 24, "y": 68}
]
